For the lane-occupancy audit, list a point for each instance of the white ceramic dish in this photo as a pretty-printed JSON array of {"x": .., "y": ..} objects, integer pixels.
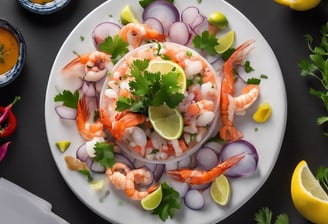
[{"x": 267, "y": 137}]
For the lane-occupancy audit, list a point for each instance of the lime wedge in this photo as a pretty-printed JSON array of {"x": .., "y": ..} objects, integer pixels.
[
  {"x": 225, "y": 42},
  {"x": 167, "y": 66},
  {"x": 220, "y": 190},
  {"x": 218, "y": 19},
  {"x": 128, "y": 16},
  {"x": 167, "y": 122},
  {"x": 152, "y": 200},
  {"x": 63, "y": 145}
]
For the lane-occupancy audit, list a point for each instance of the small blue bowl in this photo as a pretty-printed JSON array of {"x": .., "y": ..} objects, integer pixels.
[
  {"x": 12, "y": 74},
  {"x": 44, "y": 9}
]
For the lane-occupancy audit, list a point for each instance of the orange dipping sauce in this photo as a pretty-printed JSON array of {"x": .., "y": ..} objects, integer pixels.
[
  {"x": 9, "y": 50},
  {"x": 41, "y": 2}
]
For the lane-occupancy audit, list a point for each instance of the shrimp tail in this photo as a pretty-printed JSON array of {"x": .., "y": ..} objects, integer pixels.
[{"x": 230, "y": 133}]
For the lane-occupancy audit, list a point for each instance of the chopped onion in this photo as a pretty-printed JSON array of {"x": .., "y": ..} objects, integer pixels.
[
  {"x": 103, "y": 30},
  {"x": 158, "y": 172},
  {"x": 194, "y": 199},
  {"x": 215, "y": 146},
  {"x": 81, "y": 153},
  {"x": 164, "y": 11},
  {"x": 206, "y": 158},
  {"x": 65, "y": 112},
  {"x": 95, "y": 166},
  {"x": 247, "y": 165},
  {"x": 179, "y": 33}
]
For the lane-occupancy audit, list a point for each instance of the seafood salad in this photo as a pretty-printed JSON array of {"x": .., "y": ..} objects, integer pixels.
[
  {"x": 154, "y": 111},
  {"x": 198, "y": 104}
]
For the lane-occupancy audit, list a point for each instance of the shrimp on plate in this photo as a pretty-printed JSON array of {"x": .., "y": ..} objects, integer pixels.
[
  {"x": 230, "y": 104},
  {"x": 136, "y": 33},
  {"x": 123, "y": 178},
  {"x": 197, "y": 177}
]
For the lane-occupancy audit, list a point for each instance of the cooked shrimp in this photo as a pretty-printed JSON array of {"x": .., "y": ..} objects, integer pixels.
[
  {"x": 125, "y": 121},
  {"x": 202, "y": 177},
  {"x": 247, "y": 98},
  {"x": 88, "y": 130},
  {"x": 135, "y": 34},
  {"x": 228, "y": 132}
]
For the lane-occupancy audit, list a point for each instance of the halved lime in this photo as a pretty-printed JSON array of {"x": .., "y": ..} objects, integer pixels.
[
  {"x": 221, "y": 190},
  {"x": 218, "y": 19},
  {"x": 63, "y": 145},
  {"x": 225, "y": 42},
  {"x": 167, "y": 122},
  {"x": 167, "y": 66},
  {"x": 152, "y": 200},
  {"x": 128, "y": 16}
]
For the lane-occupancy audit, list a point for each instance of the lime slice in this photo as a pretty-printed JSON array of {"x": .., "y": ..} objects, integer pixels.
[
  {"x": 225, "y": 42},
  {"x": 127, "y": 15},
  {"x": 221, "y": 190},
  {"x": 167, "y": 66},
  {"x": 97, "y": 184},
  {"x": 218, "y": 19},
  {"x": 152, "y": 200},
  {"x": 63, "y": 145},
  {"x": 167, "y": 122}
]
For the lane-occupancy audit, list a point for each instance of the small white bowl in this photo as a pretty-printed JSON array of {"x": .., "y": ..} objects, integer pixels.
[
  {"x": 13, "y": 73},
  {"x": 44, "y": 9}
]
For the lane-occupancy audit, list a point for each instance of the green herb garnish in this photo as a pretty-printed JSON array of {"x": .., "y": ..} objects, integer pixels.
[
  {"x": 105, "y": 154},
  {"x": 150, "y": 89},
  {"x": 68, "y": 98},
  {"x": 254, "y": 81},
  {"x": 264, "y": 216},
  {"x": 170, "y": 202},
  {"x": 205, "y": 42},
  {"x": 114, "y": 46},
  {"x": 145, "y": 3},
  {"x": 322, "y": 176}
]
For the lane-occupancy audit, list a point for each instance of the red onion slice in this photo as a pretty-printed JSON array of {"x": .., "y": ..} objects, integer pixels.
[
  {"x": 103, "y": 30},
  {"x": 194, "y": 199},
  {"x": 206, "y": 158},
  {"x": 155, "y": 24},
  {"x": 88, "y": 89},
  {"x": 65, "y": 112},
  {"x": 179, "y": 33},
  {"x": 189, "y": 14},
  {"x": 120, "y": 158},
  {"x": 245, "y": 166},
  {"x": 95, "y": 166},
  {"x": 81, "y": 153}
]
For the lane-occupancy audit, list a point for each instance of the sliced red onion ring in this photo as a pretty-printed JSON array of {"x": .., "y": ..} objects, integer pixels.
[
  {"x": 164, "y": 11},
  {"x": 200, "y": 187},
  {"x": 103, "y": 30},
  {"x": 201, "y": 26},
  {"x": 215, "y": 146},
  {"x": 155, "y": 24},
  {"x": 245, "y": 166},
  {"x": 81, "y": 153},
  {"x": 180, "y": 187},
  {"x": 95, "y": 166},
  {"x": 189, "y": 14},
  {"x": 120, "y": 158},
  {"x": 194, "y": 199},
  {"x": 158, "y": 172},
  {"x": 65, "y": 112},
  {"x": 206, "y": 158},
  {"x": 179, "y": 33}
]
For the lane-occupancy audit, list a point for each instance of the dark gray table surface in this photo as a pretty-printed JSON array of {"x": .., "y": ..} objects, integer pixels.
[{"x": 29, "y": 162}]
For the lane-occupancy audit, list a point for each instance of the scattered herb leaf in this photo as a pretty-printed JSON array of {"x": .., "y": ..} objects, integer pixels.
[
  {"x": 264, "y": 216},
  {"x": 264, "y": 76},
  {"x": 68, "y": 98},
  {"x": 114, "y": 46},
  {"x": 322, "y": 176},
  {"x": 104, "y": 154},
  {"x": 205, "y": 42},
  {"x": 248, "y": 67},
  {"x": 170, "y": 202},
  {"x": 87, "y": 174},
  {"x": 145, "y": 3},
  {"x": 254, "y": 81}
]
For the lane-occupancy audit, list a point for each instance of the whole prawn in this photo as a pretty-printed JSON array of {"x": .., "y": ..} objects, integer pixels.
[
  {"x": 230, "y": 104},
  {"x": 198, "y": 177}
]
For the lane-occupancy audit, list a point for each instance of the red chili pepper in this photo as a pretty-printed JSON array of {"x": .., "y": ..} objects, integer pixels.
[{"x": 8, "y": 120}]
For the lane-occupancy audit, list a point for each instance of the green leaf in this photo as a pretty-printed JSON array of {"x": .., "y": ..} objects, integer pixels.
[
  {"x": 282, "y": 219},
  {"x": 68, "y": 98},
  {"x": 104, "y": 154},
  {"x": 321, "y": 120},
  {"x": 263, "y": 216},
  {"x": 116, "y": 47},
  {"x": 206, "y": 42},
  {"x": 322, "y": 176},
  {"x": 170, "y": 202},
  {"x": 145, "y": 3},
  {"x": 254, "y": 81},
  {"x": 248, "y": 67}
]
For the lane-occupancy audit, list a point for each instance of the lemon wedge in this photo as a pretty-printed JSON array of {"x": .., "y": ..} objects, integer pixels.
[
  {"x": 308, "y": 196},
  {"x": 299, "y": 5},
  {"x": 220, "y": 190},
  {"x": 128, "y": 16},
  {"x": 225, "y": 42}
]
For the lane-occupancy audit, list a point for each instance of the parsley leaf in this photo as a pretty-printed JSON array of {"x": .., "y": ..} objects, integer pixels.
[
  {"x": 248, "y": 67},
  {"x": 206, "y": 42},
  {"x": 145, "y": 3},
  {"x": 264, "y": 216},
  {"x": 104, "y": 154},
  {"x": 316, "y": 66},
  {"x": 254, "y": 81},
  {"x": 322, "y": 176},
  {"x": 170, "y": 202},
  {"x": 68, "y": 98},
  {"x": 114, "y": 46}
]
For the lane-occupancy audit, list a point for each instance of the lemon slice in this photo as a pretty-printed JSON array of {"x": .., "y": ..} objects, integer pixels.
[
  {"x": 152, "y": 200},
  {"x": 299, "y": 5},
  {"x": 225, "y": 42},
  {"x": 128, "y": 16},
  {"x": 308, "y": 197},
  {"x": 167, "y": 66},
  {"x": 262, "y": 113},
  {"x": 167, "y": 122},
  {"x": 220, "y": 190},
  {"x": 63, "y": 145}
]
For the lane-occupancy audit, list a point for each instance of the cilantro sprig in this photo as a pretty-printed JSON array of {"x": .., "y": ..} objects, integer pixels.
[
  {"x": 105, "y": 154},
  {"x": 114, "y": 46},
  {"x": 170, "y": 202},
  {"x": 206, "y": 42},
  {"x": 264, "y": 216},
  {"x": 68, "y": 98},
  {"x": 150, "y": 89},
  {"x": 322, "y": 176},
  {"x": 316, "y": 66}
]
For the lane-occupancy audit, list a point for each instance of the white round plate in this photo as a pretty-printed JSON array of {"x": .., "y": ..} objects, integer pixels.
[{"x": 266, "y": 137}]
